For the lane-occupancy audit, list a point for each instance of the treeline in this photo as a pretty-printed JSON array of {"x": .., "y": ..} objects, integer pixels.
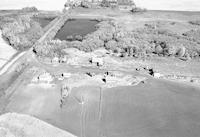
[
  {"x": 29, "y": 9},
  {"x": 21, "y": 32},
  {"x": 48, "y": 47},
  {"x": 56, "y": 25},
  {"x": 142, "y": 42}
]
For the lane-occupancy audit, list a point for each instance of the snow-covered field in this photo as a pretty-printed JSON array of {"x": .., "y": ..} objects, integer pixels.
[
  {"x": 6, "y": 51},
  {"x": 18, "y": 125}
]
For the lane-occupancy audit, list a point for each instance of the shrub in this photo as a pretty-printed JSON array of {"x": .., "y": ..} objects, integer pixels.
[
  {"x": 85, "y": 4},
  {"x": 34, "y": 33},
  {"x": 119, "y": 35},
  {"x": 106, "y": 36},
  {"x": 22, "y": 33},
  {"x": 78, "y": 37},
  {"x": 105, "y": 3},
  {"x": 124, "y": 54},
  {"x": 193, "y": 35},
  {"x": 70, "y": 38},
  {"x": 181, "y": 51},
  {"x": 103, "y": 34},
  {"x": 169, "y": 51},
  {"x": 75, "y": 44},
  {"x": 151, "y": 48},
  {"x": 129, "y": 51},
  {"x": 111, "y": 45},
  {"x": 126, "y": 42},
  {"x": 195, "y": 22},
  {"x": 158, "y": 49},
  {"x": 48, "y": 49},
  {"x": 92, "y": 44},
  {"x": 5, "y": 20}
]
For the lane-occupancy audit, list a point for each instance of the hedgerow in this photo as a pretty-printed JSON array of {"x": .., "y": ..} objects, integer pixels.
[{"x": 22, "y": 32}]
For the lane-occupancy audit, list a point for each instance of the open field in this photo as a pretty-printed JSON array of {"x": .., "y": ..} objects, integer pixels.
[{"x": 6, "y": 51}]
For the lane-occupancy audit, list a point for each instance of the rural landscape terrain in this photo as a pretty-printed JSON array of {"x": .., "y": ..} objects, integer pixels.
[{"x": 99, "y": 69}]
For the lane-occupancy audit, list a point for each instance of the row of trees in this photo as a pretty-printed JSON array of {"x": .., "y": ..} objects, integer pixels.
[
  {"x": 141, "y": 42},
  {"x": 137, "y": 43},
  {"x": 49, "y": 49},
  {"x": 22, "y": 32}
]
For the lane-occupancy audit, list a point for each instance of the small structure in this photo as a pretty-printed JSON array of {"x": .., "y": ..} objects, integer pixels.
[
  {"x": 63, "y": 59},
  {"x": 154, "y": 73},
  {"x": 63, "y": 76},
  {"x": 35, "y": 79},
  {"x": 111, "y": 79},
  {"x": 43, "y": 78},
  {"x": 66, "y": 75},
  {"x": 157, "y": 75},
  {"x": 97, "y": 61},
  {"x": 55, "y": 60},
  {"x": 46, "y": 77}
]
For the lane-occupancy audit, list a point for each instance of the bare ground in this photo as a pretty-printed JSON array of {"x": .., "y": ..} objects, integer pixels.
[{"x": 6, "y": 51}]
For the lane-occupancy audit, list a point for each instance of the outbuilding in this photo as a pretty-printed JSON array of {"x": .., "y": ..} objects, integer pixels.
[{"x": 97, "y": 61}]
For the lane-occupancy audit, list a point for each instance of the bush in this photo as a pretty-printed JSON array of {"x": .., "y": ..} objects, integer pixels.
[
  {"x": 75, "y": 44},
  {"x": 34, "y": 33},
  {"x": 70, "y": 38},
  {"x": 111, "y": 45},
  {"x": 49, "y": 49},
  {"x": 78, "y": 37},
  {"x": 169, "y": 51},
  {"x": 195, "y": 22},
  {"x": 92, "y": 44},
  {"x": 134, "y": 51},
  {"x": 22, "y": 33},
  {"x": 5, "y": 20},
  {"x": 105, "y": 3},
  {"x": 158, "y": 49},
  {"x": 105, "y": 36},
  {"x": 181, "y": 52},
  {"x": 126, "y": 42},
  {"x": 193, "y": 35},
  {"x": 85, "y": 4}
]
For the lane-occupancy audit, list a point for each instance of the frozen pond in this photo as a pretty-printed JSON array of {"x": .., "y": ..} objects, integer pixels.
[
  {"x": 43, "y": 21},
  {"x": 76, "y": 27}
]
